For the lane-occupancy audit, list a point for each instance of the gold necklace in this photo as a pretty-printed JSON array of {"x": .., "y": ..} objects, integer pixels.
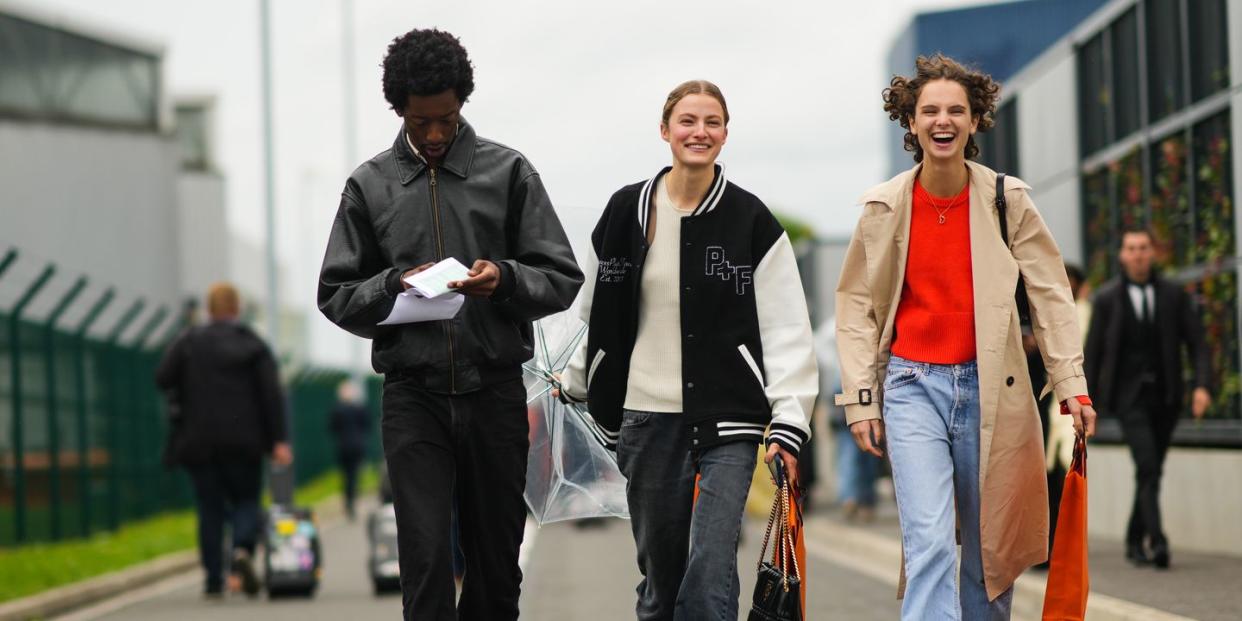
[{"x": 940, "y": 211}]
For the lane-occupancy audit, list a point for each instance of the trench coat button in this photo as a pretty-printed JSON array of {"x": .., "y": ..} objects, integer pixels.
[
  {"x": 689, "y": 336},
  {"x": 1009, "y": 381},
  {"x": 689, "y": 384},
  {"x": 695, "y": 429},
  {"x": 694, "y": 442}
]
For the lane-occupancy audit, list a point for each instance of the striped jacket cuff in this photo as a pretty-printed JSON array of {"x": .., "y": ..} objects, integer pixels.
[{"x": 787, "y": 436}]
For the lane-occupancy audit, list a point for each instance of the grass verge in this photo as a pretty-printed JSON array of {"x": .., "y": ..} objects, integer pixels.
[{"x": 33, "y": 568}]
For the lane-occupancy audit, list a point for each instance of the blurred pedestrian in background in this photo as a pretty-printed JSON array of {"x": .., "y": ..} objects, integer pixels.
[
  {"x": 232, "y": 414},
  {"x": 857, "y": 471},
  {"x": 698, "y": 349},
  {"x": 1139, "y": 326},
  {"x": 454, "y": 411},
  {"x": 925, "y": 305},
  {"x": 350, "y": 426}
]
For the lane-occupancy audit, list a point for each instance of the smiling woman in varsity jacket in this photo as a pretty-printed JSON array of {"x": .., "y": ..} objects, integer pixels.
[
  {"x": 931, "y": 350},
  {"x": 699, "y": 348}
]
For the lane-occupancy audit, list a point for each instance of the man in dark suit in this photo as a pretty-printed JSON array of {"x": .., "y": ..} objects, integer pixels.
[
  {"x": 1133, "y": 364},
  {"x": 231, "y": 416}
]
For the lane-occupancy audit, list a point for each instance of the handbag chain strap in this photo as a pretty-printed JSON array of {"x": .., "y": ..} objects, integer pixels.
[
  {"x": 783, "y": 550},
  {"x": 791, "y": 549},
  {"x": 767, "y": 534}
]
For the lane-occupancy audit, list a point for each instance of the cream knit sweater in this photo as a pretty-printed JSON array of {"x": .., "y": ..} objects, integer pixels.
[{"x": 655, "y": 366}]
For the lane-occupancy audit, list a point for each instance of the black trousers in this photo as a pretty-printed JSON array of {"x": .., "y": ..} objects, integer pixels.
[
  {"x": 1148, "y": 429},
  {"x": 476, "y": 443},
  {"x": 226, "y": 491},
  {"x": 350, "y": 463}
]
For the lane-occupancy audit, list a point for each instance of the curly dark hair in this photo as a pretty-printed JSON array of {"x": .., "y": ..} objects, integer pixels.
[
  {"x": 426, "y": 62},
  {"x": 902, "y": 95}
]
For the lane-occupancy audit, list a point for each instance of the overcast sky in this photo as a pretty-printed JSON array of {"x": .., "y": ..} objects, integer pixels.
[{"x": 575, "y": 85}]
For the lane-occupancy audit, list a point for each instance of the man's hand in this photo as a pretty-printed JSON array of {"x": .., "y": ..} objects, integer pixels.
[
  {"x": 1200, "y": 403},
  {"x": 791, "y": 462},
  {"x": 869, "y": 436},
  {"x": 1084, "y": 417},
  {"x": 556, "y": 391},
  {"x": 405, "y": 285},
  {"x": 484, "y": 278},
  {"x": 282, "y": 454}
]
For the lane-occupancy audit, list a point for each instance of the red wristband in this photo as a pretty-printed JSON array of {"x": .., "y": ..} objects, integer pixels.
[{"x": 1082, "y": 400}]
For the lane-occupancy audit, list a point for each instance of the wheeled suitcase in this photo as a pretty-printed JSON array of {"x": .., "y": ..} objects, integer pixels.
[
  {"x": 291, "y": 552},
  {"x": 382, "y": 560}
]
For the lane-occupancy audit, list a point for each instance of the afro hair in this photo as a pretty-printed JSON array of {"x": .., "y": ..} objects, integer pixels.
[{"x": 426, "y": 62}]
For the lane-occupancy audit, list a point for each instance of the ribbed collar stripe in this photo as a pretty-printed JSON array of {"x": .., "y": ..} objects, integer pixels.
[
  {"x": 710, "y": 201},
  {"x": 713, "y": 196}
]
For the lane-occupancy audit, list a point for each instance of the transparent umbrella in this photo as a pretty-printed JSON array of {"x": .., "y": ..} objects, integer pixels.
[{"x": 569, "y": 473}]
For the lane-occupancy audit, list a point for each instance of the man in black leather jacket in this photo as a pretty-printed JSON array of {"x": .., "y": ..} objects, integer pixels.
[{"x": 454, "y": 410}]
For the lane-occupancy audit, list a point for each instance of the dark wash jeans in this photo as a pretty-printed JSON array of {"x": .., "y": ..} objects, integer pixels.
[
  {"x": 475, "y": 442},
  {"x": 687, "y": 553},
  {"x": 225, "y": 490}
]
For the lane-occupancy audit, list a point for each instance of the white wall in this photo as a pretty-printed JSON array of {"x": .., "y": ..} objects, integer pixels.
[
  {"x": 203, "y": 232},
  {"x": 1048, "y": 149},
  {"x": 95, "y": 202},
  {"x": 1199, "y": 498}
]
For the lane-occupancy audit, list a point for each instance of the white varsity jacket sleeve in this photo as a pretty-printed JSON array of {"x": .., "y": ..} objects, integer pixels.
[{"x": 791, "y": 373}]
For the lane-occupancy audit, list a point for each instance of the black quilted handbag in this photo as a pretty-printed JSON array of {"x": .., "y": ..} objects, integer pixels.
[{"x": 778, "y": 590}]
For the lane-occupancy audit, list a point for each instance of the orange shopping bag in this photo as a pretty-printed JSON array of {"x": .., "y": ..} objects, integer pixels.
[
  {"x": 1065, "y": 598},
  {"x": 799, "y": 537}
]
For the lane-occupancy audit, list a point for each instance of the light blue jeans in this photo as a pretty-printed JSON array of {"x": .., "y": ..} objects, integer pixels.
[{"x": 931, "y": 418}]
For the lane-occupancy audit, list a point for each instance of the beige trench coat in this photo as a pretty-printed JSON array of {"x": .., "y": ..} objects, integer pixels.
[{"x": 1013, "y": 488}]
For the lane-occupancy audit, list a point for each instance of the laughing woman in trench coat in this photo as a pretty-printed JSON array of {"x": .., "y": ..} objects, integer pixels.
[{"x": 931, "y": 352}]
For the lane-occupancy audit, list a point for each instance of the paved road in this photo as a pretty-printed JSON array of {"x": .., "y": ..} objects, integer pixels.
[
  {"x": 591, "y": 574},
  {"x": 345, "y": 593},
  {"x": 571, "y": 574}
]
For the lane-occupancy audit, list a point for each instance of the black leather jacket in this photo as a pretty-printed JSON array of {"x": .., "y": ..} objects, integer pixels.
[{"x": 484, "y": 202}]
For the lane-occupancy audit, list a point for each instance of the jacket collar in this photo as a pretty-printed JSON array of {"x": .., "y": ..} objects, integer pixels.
[
  {"x": 710, "y": 200},
  {"x": 897, "y": 191},
  {"x": 456, "y": 161}
]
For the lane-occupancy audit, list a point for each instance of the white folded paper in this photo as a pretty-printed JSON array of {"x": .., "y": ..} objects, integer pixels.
[
  {"x": 412, "y": 307},
  {"x": 433, "y": 281}
]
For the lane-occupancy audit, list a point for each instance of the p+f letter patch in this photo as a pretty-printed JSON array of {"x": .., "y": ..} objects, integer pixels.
[{"x": 719, "y": 267}]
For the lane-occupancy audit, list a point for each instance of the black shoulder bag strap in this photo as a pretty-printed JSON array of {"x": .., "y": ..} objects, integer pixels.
[{"x": 1024, "y": 304}]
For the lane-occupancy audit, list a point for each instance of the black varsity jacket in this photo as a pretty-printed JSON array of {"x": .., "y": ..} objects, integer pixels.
[{"x": 747, "y": 361}]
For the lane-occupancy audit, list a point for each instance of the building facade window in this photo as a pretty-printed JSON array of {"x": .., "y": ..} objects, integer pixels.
[
  {"x": 1170, "y": 201},
  {"x": 50, "y": 74},
  {"x": 1165, "y": 92},
  {"x": 1098, "y": 230},
  {"x": 192, "y": 140},
  {"x": 1123, "y": 37},
  {"x": 1094, "y": 95},
  {"x": 998, "y": 148},
  {"x": 1179, "y": 183},
  {"x": 1209, "y": 48},
  {"x": 1215, "y": 248}
]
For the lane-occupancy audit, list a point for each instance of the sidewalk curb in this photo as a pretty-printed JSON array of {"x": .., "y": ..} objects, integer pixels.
[
  {"x": 879, "y": 557},
  {"x": 77, "y": 595}
]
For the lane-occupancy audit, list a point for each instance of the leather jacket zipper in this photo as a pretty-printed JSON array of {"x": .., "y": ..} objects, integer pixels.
[{"x": 440, "y": 256}]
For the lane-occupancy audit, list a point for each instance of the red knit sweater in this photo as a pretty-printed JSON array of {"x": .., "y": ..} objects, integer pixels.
[{"x": 936, "y": 316}]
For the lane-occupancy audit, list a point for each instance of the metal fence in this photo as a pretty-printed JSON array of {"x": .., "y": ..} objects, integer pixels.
[{"x": 82, "y": 425}]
